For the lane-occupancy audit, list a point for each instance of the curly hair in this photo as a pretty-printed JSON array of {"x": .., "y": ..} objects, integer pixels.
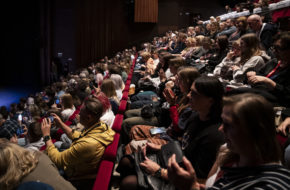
[{"x": 15, "y": 163}]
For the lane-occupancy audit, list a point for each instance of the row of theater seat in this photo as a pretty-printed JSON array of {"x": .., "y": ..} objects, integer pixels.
[
  {"x": 107, "y": 164},
  {"x": 282, "y": 5}
]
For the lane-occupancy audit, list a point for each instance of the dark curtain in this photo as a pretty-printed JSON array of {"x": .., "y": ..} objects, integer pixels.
[
  {"x": 146, "y": 11},
  {"x": 94, "y": 30}
]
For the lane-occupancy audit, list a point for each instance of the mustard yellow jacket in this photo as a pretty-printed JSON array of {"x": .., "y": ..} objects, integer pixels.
[{"x": 81, "y": 160}]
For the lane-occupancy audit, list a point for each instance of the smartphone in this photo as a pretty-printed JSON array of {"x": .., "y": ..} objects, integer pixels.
[
  {"x": 157, "y": 130},
  {"x": 19, "y": 117},
  {"x": 45, "y": 98},
  {"x": 57, "y": 101},
  {"x": 19, "y": 131},
  {"x": 51, "y": 118}
]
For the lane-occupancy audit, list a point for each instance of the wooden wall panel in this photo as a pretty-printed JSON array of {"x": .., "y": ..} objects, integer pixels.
[
  {"x": 146, "y": 11},
  {"x": 105, "y": 27}
]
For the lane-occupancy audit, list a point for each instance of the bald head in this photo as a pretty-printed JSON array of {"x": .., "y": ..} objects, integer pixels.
[{"x": 255, "y": 22}]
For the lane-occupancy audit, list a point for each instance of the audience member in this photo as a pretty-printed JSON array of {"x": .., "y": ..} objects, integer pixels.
[
  {"x": 274, "y": 76},
  {"x": 264, "y": 31},
  {"x": 19, "y": 165},
  {"x": 253, "y": 156},
  {"x": 252, "y": 58},
  {"x": 81, "y": 160}
]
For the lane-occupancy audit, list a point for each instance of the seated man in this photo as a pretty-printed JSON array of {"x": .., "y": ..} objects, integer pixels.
[
  {"x": 229, "y": 29},
  {"x": 10, "y": 130},
  {"x": 264, "y": 31},
  {"x": 81, "y": 159}
]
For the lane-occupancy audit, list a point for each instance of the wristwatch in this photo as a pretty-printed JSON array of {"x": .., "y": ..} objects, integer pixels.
[
  {"x": 46, "y": 138},
  {"x": 158, "y": 173}
]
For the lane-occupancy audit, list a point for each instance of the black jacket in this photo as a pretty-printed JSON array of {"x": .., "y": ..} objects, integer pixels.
[
  {"x": 266, "y": 37},
  {"x": 282, "y": 80}
]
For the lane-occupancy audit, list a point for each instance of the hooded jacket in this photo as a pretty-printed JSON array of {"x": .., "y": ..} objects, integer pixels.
[{"x": 81, "y": 159}]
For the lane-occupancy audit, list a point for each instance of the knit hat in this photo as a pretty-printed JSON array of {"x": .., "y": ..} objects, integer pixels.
[{"x": 9, "y": 128}]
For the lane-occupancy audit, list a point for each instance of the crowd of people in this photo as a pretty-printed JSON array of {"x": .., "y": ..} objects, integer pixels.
[
  {"x": 62, "y": 132},
  {"x": 208, "y": 109}
]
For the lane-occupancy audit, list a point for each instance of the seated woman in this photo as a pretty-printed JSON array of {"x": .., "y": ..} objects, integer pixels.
[
  {"x": 220, "y": 54},
  {"x": 162, "y": 71},
  {"x": 190, "y": 47},
  {"x": 98, "y": 76},
  {"x": 233, "y": 58},
  {"x": 67, "y": 106},
  {"x": 242, "y": 28},
  {"x": 252, "y": 57},
  {"x": 179, "y": 111},
  {"x": 117, "y": 80},
  {"x": 108, "y": 88},
  {"x": 204, "y": 51},
  {"x": 108, "y": 116},
  {"x": 147, "y": 63},
  {"x": 19, "y": 165},
  {"x": 201, "y": 140},
  {"x": 274, "y": 77},
  {"x": 81, "y": 159},
  {"x": 179, "y": 45},
  {"x": 253, "y": 156},
  {"x": 213, "y": 30}
]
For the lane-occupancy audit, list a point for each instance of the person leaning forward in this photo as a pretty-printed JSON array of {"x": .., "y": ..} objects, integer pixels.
[{"x": 81, "y": 159}]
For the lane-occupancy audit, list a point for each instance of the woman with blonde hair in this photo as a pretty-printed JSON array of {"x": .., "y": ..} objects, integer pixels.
[
  {"x": 18, "y": 165},
  {"x": 242, "y": 29},
  {"x": 117, "y": 80},
  {"x": 213, "y": 30},
  {"x": 252, "y": 57},
  {"x": 199, "y": 40},
  {"x": 108, "y": 88},
  {"x": 149, "y": 62},
  {"x": 190, "y": 47}
]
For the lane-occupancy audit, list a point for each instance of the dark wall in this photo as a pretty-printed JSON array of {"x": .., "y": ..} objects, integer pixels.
[
  {"x": 63, "y": 30},
  {"x": 83, "y": 30},
  {"x": 20, "y": 42}
]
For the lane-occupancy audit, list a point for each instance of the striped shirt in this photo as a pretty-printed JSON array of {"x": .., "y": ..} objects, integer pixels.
[{"x": 259, "y": 178}]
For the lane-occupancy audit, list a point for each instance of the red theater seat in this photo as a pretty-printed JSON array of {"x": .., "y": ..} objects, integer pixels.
[
  {"x": 127, "y": 88},
  {"x": 118, "y": 123},
  {"x": 128, "y": 82},
  {"x": 125, "y": 95},
  {"x": 122, "y": 107},
  {"x": 111, "y": 151},
  {"x": 104, "y": 175}
]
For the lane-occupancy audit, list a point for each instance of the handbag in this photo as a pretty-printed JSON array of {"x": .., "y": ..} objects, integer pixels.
[
  {"x": 167, "y": 150},
  {"x": 161, "y": 158}
]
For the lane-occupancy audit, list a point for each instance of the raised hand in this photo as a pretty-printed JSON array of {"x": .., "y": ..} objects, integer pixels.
[{"x": 184, "y": 179}]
